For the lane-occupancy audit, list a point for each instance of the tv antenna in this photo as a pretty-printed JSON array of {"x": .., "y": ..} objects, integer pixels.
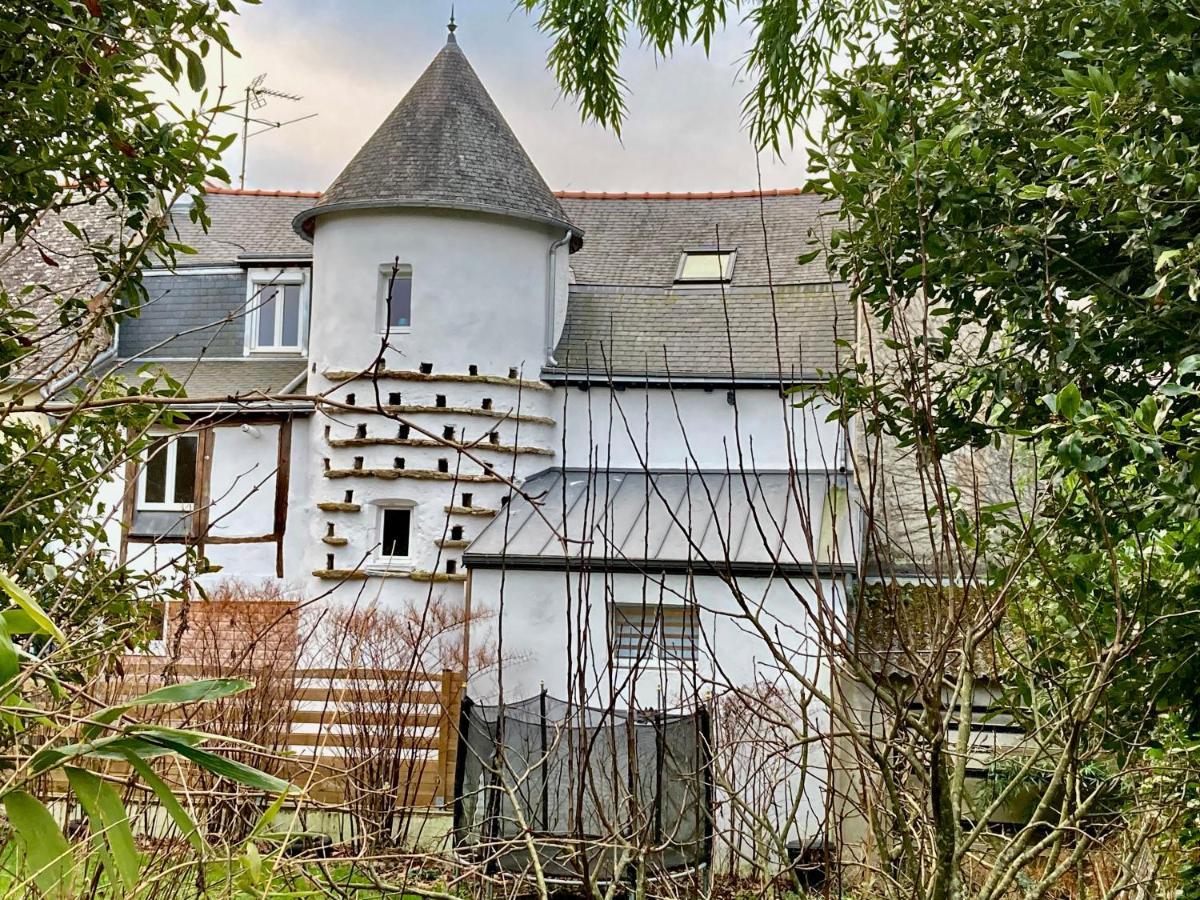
[{"x": 257, "y": 97}]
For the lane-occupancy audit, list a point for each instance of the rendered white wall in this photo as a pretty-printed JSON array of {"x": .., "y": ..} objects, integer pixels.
[
  {"x": 479, "y": 298},
  {"x": 478, "y": 289},
  {"x": 696, "y": 429},
  {"x": 539, "y": 623},
  {"x": 242, "y": 485}
]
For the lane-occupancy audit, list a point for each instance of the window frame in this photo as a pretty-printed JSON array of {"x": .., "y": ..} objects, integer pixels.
[
  {"x": 381, "y": 305},
  {"x": 382, "y": 560},
  {"x": 171, "y": 448},
  {"x": 680, "y": 278},
  {"x": 620, "y": 613},
  {"x": 256, "y": 279}
]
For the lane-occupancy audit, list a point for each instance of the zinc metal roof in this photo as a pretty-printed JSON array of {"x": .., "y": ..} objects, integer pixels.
[{"x": 767, "y": 519}]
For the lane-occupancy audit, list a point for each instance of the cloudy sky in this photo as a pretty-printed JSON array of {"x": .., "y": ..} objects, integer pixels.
[{"x": 352, "y": 61}]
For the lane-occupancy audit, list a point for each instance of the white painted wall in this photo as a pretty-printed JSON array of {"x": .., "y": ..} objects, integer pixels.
[
  {"x": 478, "y": 289},
  {"x": 242, "y": 485},
  {"x": 696, "y": 429},
  {"x": 541, "y": 616},
  {"x": 479, "y": 298}
]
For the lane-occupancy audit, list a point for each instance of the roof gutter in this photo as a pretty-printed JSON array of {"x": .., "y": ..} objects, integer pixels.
[
  {"x": 584, "y": 379},
  {"x": 295, "y": 382},
  {"x": 302, "y": 224},
  {"x": 551, "y": 292},
  {"x": 109, "y": 352},
  {"x": 726, "y": 568}
]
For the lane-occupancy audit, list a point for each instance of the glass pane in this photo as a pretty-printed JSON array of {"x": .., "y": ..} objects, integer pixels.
[
  {"x": 185, "y": 468},
  {"x": 704, "y": 266},
  {"x": 400, "y": 309},
  {"x": 266, "y": 316},
  {"x": 395, "y": 531},
  {"x": 633, "y": 634},
  {"x": 155, "y": 474},
  {"x": 291, "y": 316},
  {"x": 679, "y": 634}
]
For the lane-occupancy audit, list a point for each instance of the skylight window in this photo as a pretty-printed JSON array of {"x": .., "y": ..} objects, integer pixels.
[{"x": 706, "y": 266}]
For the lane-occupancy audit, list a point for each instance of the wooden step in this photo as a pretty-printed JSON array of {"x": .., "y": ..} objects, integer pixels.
[{"x": 338, "y": 506}]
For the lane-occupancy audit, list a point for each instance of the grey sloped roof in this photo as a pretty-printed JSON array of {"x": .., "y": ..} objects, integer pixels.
[
  {"x": 444, "y": 145},
  {"x": 637, "y": 240},
  {"x": 49, "y": 269},
  {"x": 639, "y": 517},
  {"x": 228, "y": 379},
  {"x": 789, "y": 333},
  {"x": 243, "y": 222}
]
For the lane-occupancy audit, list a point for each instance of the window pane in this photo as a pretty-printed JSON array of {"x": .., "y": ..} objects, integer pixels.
[
  {"x": 679, "y": 633},
  {"x": 395, "y": 531},
  {"x": 185, "y": 468},
  {"x": 651, "y": 632},
  {"x": 400, "y": 309},
  {"x": 290, "y": 328},
  {"x": 266, "y": 316},
  {"x": 633, "y": 637},
  {"x": 156, "y": 472},
  {"x": 704, "y": 267}
]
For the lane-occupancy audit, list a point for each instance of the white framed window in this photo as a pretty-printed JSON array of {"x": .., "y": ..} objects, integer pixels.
[
  {"x": 276, "y": 311},
  {"x": 394, "y": 534},
  {"x": 167, "y": 480},
  {"x": 394, "y": 311},
  {"x": 706, "y": 265},
  {"x": 653, "y": 634}
]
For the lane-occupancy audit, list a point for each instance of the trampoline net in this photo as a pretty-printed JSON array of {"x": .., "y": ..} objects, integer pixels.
[{"x": 596, "y": 792}]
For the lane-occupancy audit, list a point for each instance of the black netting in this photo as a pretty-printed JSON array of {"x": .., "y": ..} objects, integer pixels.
[{"x": 596, "y": 792}]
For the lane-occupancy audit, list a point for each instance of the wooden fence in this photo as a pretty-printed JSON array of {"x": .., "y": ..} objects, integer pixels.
[{"x": 365, "y": 740}]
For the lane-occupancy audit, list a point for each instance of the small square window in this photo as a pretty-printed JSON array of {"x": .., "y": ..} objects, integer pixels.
[
  {"x": 395, "y": 310},
  {"x": 651, "y": 633},
  {"x": 395, "y": 526},
  {"x": 168, "y": 477},
  {"x": 713, "y": 266}
]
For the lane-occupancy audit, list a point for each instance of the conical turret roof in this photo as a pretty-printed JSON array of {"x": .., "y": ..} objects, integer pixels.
[{"x": 445, "y": 145}]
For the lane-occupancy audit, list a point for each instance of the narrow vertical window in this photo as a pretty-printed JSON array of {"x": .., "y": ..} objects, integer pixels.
[{"x": 395, "y": 298}]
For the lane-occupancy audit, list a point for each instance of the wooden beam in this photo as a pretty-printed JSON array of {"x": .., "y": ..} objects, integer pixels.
[{"x": 283, "y": 469}]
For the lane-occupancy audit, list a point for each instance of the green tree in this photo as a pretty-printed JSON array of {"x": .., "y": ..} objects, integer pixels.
[{"x": 91, "y": 160}]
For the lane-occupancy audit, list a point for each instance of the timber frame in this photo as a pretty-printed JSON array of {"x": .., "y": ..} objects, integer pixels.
[{"x": 198, "y": 535}]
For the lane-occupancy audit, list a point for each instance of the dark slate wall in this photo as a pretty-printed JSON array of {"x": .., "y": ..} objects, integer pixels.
[{"x": 181, "y": 303}]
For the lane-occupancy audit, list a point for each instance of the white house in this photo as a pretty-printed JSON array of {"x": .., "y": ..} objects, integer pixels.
[{"x": 440, "y": 381}]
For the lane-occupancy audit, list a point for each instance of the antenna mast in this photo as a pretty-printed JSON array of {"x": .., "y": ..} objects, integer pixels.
[{"x": 256, "y": 98}]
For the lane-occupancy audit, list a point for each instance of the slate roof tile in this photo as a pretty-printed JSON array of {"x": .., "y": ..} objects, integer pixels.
[
  {"x": 639, "y": 241},
  {"x": 447, "y": 145}
]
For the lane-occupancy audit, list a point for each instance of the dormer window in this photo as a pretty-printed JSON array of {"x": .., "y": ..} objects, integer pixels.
[
  {"x": 395, "y": 305},
  {"x": 705, "y": 265},
  {"x": 276, "y": 312}
]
